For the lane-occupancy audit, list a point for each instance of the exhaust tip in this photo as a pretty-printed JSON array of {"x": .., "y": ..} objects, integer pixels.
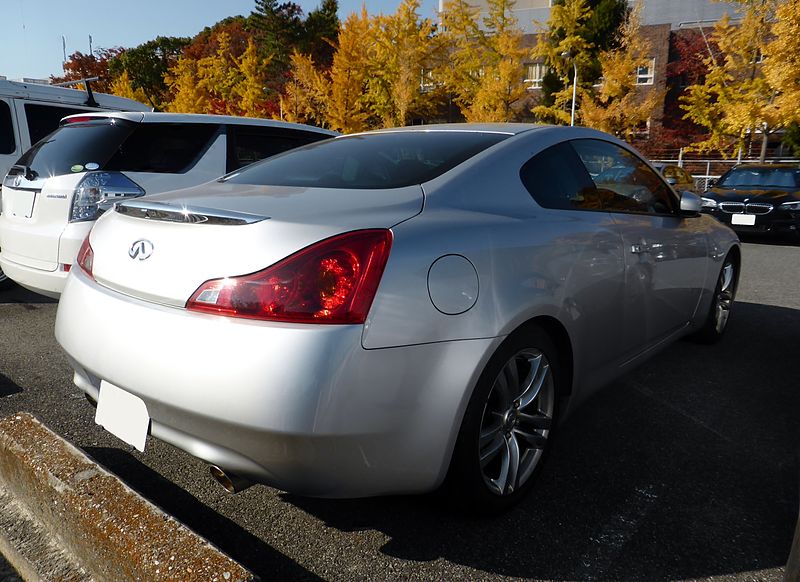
[{"x": 230, "y": 482}]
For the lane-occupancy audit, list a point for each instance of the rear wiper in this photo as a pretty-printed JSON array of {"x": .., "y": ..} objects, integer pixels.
[{"x": 21, "y": 169}]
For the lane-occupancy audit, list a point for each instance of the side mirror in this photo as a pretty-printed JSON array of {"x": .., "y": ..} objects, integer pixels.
[{"x": 690, "y": 204}]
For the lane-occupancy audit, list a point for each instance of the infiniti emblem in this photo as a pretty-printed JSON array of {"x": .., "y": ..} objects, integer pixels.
[
  {"x": 17, "y": 181},
  {"x": 141, "y": 249}
]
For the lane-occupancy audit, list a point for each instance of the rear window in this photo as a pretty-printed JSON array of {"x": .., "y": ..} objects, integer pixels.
[
  {"x": 119, "y": 145},
  {"x": 761, "y": 178},
  {"x": 73, "y": 147},
  {"x": 371, "y": 161}
]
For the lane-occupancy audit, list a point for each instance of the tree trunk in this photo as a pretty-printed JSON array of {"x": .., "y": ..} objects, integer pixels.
[{"x": 764, "y": 138}]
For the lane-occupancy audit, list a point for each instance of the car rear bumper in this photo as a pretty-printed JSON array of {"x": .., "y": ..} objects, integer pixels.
[
  {"x": 48, "y": 283},
  {"x": 304, "y": 408},
  {"x": 38, "y": 275}
]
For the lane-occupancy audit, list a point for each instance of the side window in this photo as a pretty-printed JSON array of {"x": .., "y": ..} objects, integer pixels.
[
  {"x": 7, "y": 142},
  {"x": 250, "y": 144},
  {"x": 165, "y": 148},
  {"x": 624, "y": 182},
  {"x": 43, "y": 120},
  {"x": 557, "y": 179}
]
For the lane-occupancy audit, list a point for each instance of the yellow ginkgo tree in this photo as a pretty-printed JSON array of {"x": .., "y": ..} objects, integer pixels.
[
  {"x": 616, "y": 106},
  {"x": 782, "y": 62},
  {"x": 737, "y": 100},
  {"x": 401, "y": 47},
  {"x": 564, "y": 50},
  {"x": 484, "y": 64}
]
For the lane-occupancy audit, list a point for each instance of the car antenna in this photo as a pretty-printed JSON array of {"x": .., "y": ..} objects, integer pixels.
[{"x": 90, "y": 101}]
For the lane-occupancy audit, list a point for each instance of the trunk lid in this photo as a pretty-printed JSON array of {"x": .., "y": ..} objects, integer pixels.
[{"x": 163, "y": 247}]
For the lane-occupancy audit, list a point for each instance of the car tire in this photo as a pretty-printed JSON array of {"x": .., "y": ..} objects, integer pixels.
[
  {"x": 508, "y": 426},
  {"x": 716, "y": 321}
]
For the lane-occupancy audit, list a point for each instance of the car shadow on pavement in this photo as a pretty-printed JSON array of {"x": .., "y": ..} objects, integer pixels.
[
  {"x": 7, "y": 387},
  {"x": 17, "y": 294},
  {"x": 684, "y": 468},
  {"x": 229, "y": 537}
]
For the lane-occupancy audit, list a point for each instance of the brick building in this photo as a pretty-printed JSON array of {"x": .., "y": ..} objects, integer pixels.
[{"x": 662, "y": 21}]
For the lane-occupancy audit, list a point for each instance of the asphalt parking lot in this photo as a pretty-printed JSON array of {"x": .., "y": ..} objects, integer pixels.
[{"x": 685, "y": 469}]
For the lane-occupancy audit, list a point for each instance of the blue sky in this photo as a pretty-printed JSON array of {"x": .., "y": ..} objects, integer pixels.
[{"x": 32, "y": 29}]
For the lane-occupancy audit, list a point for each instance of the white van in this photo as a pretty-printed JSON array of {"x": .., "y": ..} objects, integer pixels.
[
  {"x": 30, "y": 111},
  {"x": 53, "y": 194}
]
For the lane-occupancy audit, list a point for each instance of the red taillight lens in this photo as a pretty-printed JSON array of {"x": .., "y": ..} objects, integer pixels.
[
  {"x": 332, "y": 281},
  {"x": 79, "y": 119},
  {"x": 86, "y": 257}
]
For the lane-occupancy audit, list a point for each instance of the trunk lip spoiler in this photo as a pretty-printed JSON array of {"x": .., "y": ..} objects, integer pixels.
[{"x": 163, "y": 212}]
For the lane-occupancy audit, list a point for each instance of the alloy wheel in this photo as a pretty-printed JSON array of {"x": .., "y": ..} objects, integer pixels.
[
  {"x": 724, "y": 298},
  {"x": 517, "y": 420}
]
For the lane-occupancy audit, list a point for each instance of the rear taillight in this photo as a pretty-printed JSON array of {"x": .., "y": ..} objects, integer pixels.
[
  {"x": 97, "y": 191},
  {"x": 85, "y": 257},
  {"x": 332, "y": 281}
]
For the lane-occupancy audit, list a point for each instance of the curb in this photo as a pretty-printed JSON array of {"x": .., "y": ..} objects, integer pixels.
[{"x": 64, "y": 517}]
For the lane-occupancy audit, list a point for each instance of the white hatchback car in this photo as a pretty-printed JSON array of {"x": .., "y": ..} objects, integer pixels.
[{"x": 59, "y": 187}]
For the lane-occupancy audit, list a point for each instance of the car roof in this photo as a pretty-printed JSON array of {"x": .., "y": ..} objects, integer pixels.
[
  {"x": 505, "y": 128},
  {"x": 65, "y": 95},
  {"x": 159, "y": 117}
]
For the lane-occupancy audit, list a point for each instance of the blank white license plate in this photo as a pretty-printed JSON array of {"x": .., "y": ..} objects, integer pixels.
[
  {"x": 746, "y": 219},
  {"x": 20, "y": 203},
  {"x": 123, "y": 415}
]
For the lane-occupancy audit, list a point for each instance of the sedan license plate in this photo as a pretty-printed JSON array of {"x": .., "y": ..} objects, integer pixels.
[
  {"x": 123, "y": 415},
  {"x": 745, "y": 219}
]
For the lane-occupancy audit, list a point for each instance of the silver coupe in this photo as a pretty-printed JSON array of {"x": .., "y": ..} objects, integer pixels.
[{"x": 393, "y": 311}]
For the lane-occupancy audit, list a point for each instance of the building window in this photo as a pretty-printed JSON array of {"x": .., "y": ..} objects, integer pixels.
[
  {"x": 645, "y": 75},
  {"x": 534, "y": 75}
]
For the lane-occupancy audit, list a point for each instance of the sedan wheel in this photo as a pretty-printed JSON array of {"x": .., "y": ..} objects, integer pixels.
[
  {"x": 723, "y": 299},
  {"x": 516, "y": 422},
  {"x": 721, "y": 304},
  {"x": 508, "y": 426}
]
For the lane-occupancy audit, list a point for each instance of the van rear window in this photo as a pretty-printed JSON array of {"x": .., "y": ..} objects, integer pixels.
[
  {"x": 73, "y": 147},
  {"x": 120, "y": 145}
]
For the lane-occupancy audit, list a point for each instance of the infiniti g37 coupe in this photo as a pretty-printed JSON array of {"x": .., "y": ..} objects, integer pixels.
[{"x": 391, "y": 311}]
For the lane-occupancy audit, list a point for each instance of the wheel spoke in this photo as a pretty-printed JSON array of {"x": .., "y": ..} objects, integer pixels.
[
  {"x": 536, "y": 421},
  {"x": 534, "y": 382},
  {"x": 533, "y": 439},
  {"x": 504, "y": 389},
  {"x": 726, "y": 278},
  {"x": 506, "y": 482},
  {"x": 493, "y": 448},
  {"x": 488, "y": 434}
]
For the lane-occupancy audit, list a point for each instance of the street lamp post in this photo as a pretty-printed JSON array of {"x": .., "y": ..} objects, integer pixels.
[{"x": 567, "y": 55}]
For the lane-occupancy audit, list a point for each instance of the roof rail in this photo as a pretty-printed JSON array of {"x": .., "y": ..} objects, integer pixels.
[{"x": 86, "y": 83}]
